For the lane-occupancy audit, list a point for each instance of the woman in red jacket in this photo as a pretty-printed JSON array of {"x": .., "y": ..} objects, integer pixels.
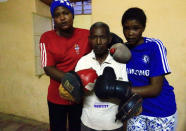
[{"x": 60, "y": 49}]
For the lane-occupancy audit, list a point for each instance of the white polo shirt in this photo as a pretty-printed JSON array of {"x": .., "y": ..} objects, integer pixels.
[{"x": 101, "y": 114}]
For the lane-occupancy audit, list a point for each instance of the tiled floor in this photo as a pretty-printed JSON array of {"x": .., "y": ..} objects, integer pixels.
[{"x": 15, "y": 123}]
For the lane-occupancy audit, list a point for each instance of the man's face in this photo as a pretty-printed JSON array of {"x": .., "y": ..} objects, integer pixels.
[
  {"x": 99, "y": 40},
  {"x": 63, "y": 18}
]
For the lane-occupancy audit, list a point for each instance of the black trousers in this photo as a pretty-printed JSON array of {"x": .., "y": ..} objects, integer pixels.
[{"x": 59, "y": 114}]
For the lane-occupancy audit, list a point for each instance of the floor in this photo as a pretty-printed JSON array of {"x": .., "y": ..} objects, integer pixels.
[{"x": 15, "y": 123}]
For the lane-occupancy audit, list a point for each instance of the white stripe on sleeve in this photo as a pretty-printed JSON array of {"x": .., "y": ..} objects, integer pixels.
[
  {"x": 163, "y": 54},
  {"x": 45, "y": 59},
  {"x": 43, "y": 54}
]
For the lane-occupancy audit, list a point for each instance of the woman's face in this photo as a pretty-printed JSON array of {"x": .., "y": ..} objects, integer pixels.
[
  {"x": 63, "y": 18},
  {"x": 132, "y": 30}
]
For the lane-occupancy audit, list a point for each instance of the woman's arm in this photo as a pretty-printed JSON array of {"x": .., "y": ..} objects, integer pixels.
[
  {"x": 151, "y": 90},
  {"x": 54, "y": 73}
]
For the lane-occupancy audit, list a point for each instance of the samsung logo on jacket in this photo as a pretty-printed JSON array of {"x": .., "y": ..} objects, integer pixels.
[{"x": 138, "y": 72}]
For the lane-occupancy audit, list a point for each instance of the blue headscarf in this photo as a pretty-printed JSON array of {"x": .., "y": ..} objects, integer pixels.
[{"x": 64, "y": 3}]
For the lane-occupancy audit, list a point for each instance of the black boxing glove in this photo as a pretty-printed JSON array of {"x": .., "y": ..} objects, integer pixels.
[
  {"x": 129, "y": 108},
  {"x": 107, "y": 87},
  {"x": 72, "y": 83}
]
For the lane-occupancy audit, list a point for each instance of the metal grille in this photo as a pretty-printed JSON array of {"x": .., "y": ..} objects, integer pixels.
[{"x": 82, "y": 7}]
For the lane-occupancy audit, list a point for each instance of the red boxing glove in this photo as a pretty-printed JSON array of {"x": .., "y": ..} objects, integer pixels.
[
  {"x": 88, "y": 77},
  {"x": 112, "y": 51}
]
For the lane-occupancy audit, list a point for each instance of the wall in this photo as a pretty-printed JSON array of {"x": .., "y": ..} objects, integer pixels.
[
  {"x": 166, "y": 20},
  {"x": 82, "y": 21},
  {"x": 21, "y": 92},
  {"x": 42, "y": 9}
]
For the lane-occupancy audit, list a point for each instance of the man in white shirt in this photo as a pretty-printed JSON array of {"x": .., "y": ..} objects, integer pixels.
[{"x": 98, "y": 114}]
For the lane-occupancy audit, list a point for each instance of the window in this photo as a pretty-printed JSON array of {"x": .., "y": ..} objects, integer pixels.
[
  {"x": 82, "y": 7},
  {"x": 41, "y": 24}
]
